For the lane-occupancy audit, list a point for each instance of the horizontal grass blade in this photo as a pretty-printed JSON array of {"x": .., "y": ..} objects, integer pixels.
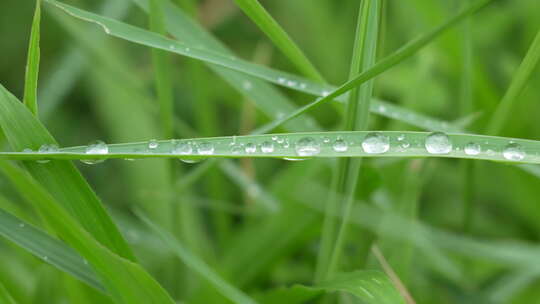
[
  {"x": 207, "y": 53},
  {"x": 256, "y": 12},
  {"x": 61, "y": 178},
  {"x": 47, "y": 248},
  {"x": 198, "y": 265},
  {"x": 126, "y": 281},
  {"x": 32, "y": 64},
  {"x": 293, "y": 146}
]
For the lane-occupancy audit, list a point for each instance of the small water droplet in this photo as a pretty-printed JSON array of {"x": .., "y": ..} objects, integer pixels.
[
  {"x": 96, "y": 147},
  {"x": 188, "y": 49},
  {"x": 250, "y": 148},
  {"x": 325, "y": 93},
  {"x": 46, "y": 258},
  {"x": 340, "y": 145},
  {"x": 404, "y": 145},
  {"x": 47, "y": 149},
  {"x": 382, "y": 109},
  {"x": 267, "y": 147},
  {"x": 205, "y": 148},
  {"x": 514, "y": 152},
  {"x": 286, "y": 143},
  {"x": 401, "y": 137},
  {"x": 326, "y": 139},
  {"x": 27, "y": 150},
  {"x": 293, "y": 158},
  {"x": 438, "y": 143},
  {"x": 171, "y": 47},
  {"x": 280, "y": 140},
  {"x": 247, "y": 85},
  {"x": 303, "y": 85},
  {"x": 307, "y": 146},
  {"x": 236, "y": 148},
  {"x": 291, "y": 83},
  {"x": 472, "y": 149},
  {"x": 85, "y": 262},
  {"x": 182, "y": 148},
  {"x": 376, "y": 143},
  {"x": 274, "y": 138},
  {"x": 21, "y": 225},
  {"x": 282, "y": 80},
  {"x": 152, "y": 144}
]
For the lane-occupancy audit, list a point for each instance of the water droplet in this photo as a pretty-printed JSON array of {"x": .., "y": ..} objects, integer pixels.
[
  {"x": 182, "y": 148},
  {"x": 326, "y": 139},
  {"x": 438, "y": 143},
  {"x": 247, "y": 85},
  {"x": 27, "y": 150},
  {"x": 291, "y": 83},
  {"x": 282, "y": 80},
  {"x": 96, "y": 147},
  {"x": 404, "y": 145},
  {"x": 401, "y": 137},
  {"x": 382, "y": 109},
  {"x": 307, "y": 146},
  {"x": 236, "y": 148},
  {"x": 205, "y": 148},
  {"x": 171, "y": 47},
  {"x": 280, "y": 140},
  {"x": 293, "y": 158},
  {"x": 188, "y": 49},
  {"x": 340, "y": 145},
  {"x": 472, "y": 149},
  {"x": 250, "y": 148},
  {"x": 513, "y": 151},
  {"x": 85, "y": 262},
  {"x": 152, "y": 144},
  {"x": 47, "y": 149},
  {"x": 21, "y": 225},
  {"x": 267, "y": 147},
  {"x": 303, "y": 85},
  {"x": 286, "y": 143},
  {"x": 325, "y": 93},
  {"x": 274, "y": 138},
  {"x": 376, "y": 143},
  {"x": 46, "y": 258}
]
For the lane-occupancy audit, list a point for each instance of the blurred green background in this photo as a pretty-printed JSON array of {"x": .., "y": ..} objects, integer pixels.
[{"x": 93, "y": 86}]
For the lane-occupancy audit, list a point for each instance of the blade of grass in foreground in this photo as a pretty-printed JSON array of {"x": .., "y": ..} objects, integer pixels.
[
  {"x": 208, "y": 55},
  {"x": 5, "y": 297},
  {"x": 32, "y": 64},
  {"x": 126, "y": 282},
  {"x": 346, "y": 174},
  {"x": 519, "y": 81},
  {"x": 198, "y": 265},
  {"x": 298, "y": 146},
  {"x": 47, "y": 248},
  {"x": 271, "y": 28},
  {"x": 24, "y": 131}
]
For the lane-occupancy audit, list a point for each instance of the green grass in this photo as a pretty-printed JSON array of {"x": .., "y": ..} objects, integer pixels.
[{"x": 289, "y": 188}]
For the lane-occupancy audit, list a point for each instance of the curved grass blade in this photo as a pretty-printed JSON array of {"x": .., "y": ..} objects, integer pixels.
[
  {"x": 47, "y": 248},
  {"x": 519, "y": 81},
  {"x": 5, "y": 297},
  {"x": 207, "y": 53},
  {"x": 126, "y": 281},
  {"x": 256, "y": 12},
  {"x": 198, "y": 265},
  {"x": 32, "y": 64},
  {"x": 292, "y": 146},
  {"x": 24, "y": 131},
  {"x": 369, "y": 286}
]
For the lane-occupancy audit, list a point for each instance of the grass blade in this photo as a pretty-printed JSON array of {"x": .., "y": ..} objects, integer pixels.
[
  {"x": 198, "y": 265},
  {"x": 5, "y": 297},
  {"x": 42, "y": 245},
  {"x": 24, "y": 131},
  {"x": 127, "y": 282},
  {"x": 32, "y": 64},
  {"x": 290, "y": 146},
  {"x": 256, "y": 12},
  {"x": 273, "y": 107},
  {"x": 519, "y": 82}
]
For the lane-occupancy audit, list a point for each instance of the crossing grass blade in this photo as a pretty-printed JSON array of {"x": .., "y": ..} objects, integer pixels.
[
  {"x": 256, "y": 12},
  {"x": 32, "y": 64},
  {"x": 491, "y": 147},
  {"x": 24, "y": 131},
  {"x": 522, "y": 75},
  {"x": 274, "y": 108},
  {"x": 47, "y": 248},
  {"x": 126, "y": 281},
  {"x": 197, "y": 265}
]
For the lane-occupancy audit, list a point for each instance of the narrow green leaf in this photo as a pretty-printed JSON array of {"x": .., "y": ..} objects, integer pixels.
[
  {"x": 320, "y": 145},
  {"x": 32, "y": 64},
  {"x": 519, "y": 81},
  {"x": 254, "y": 10},
  {"x": 198, "y": 265},
  {"x": 5, "y": 297},
  {"x": 126, "y": 281},
  {"x": 161, "y": 62},
  {"x": 275, "y": 106},
  {"x": 24, "y": 131},
  {"x": 47, "y": 248}
]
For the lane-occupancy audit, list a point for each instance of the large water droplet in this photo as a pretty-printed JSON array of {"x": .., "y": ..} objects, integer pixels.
[
  {"x": 340, "y": 145},
  {"x": 205, "y": 148},
  {"x": 472, "y": 149},
  {"x": 152, "y": 144},
  {"x": 267, "y": 147},
  {"x": 438, "y": 143},
  {"x": 307, "y": 146},
  {"x": 96, "y": 147},
  {"x": 376, "y": 143},
  {"x": 514, "y": 152},
  {"x": 47, "y": 149},
  {"x": 250, "y": 148}
]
